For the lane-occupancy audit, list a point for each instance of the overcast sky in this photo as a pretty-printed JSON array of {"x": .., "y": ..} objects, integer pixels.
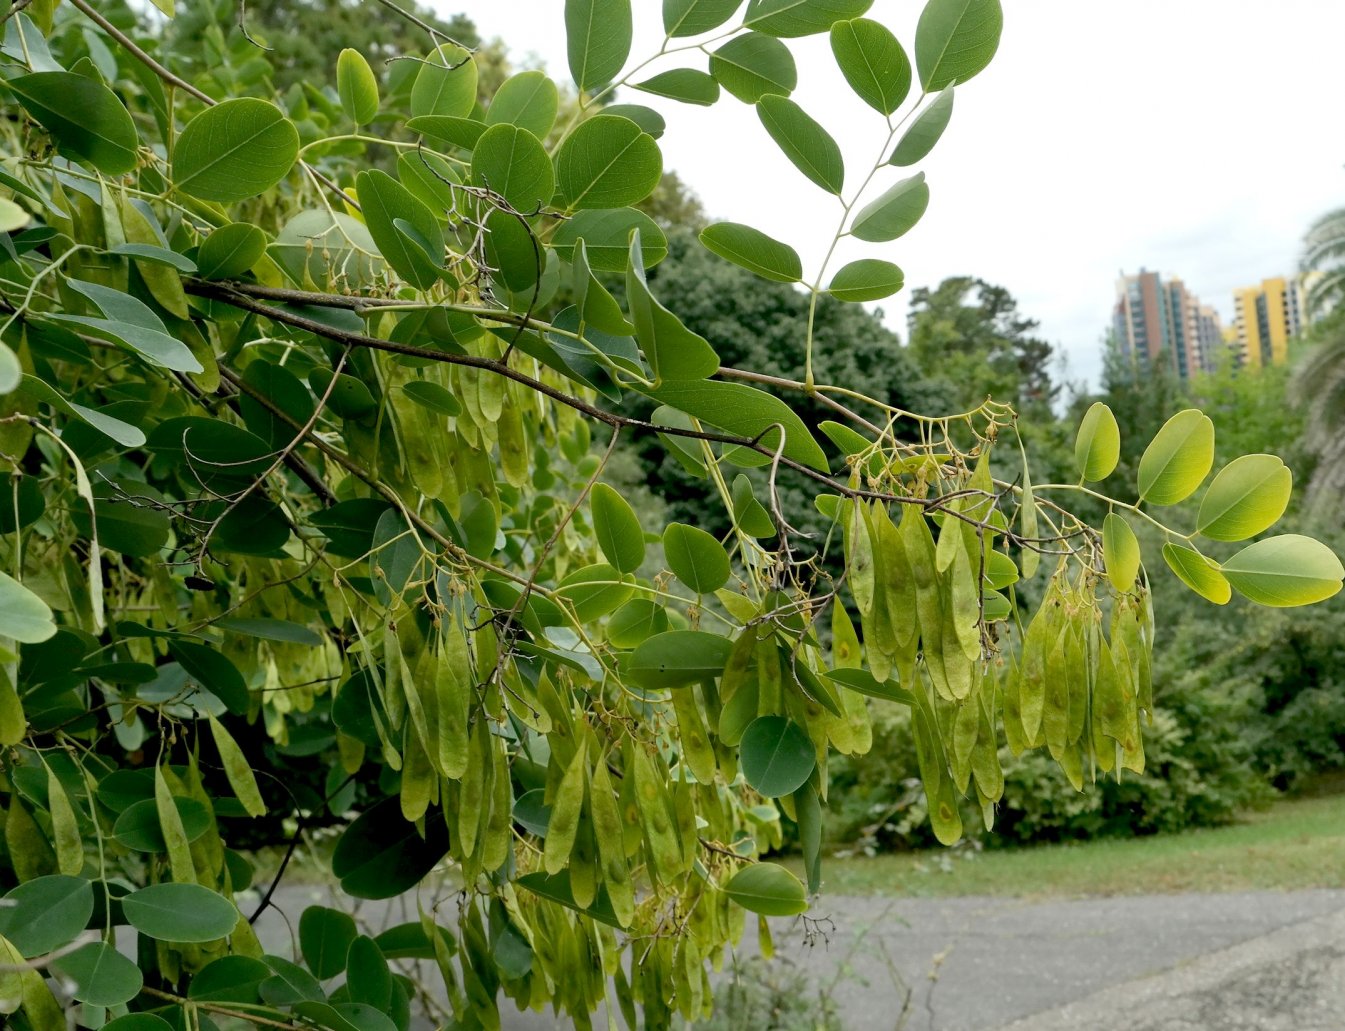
[{"x": 1195, "y": 137}]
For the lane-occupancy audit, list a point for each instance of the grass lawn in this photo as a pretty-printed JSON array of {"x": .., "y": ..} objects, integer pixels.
[{"x": 1297, "y": 843}]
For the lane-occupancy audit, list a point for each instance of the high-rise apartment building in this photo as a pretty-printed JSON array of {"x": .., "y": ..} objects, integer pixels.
[
  {"x": 1266, "y": 318},
  {"x": 1157, "y": 318}
]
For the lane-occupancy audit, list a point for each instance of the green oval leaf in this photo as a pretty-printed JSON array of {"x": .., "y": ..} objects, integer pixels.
[
  {"x": 767, "y": 889},
  {"x": 229, "y": 979},
  {"x": 382, "y": 854},
  {"x": 512, "y": 162},
  {"x": 1097, "y": 447},
  {"x": 800, "y": 17},
  {"x": 598, "y": 36},
  {"x": 677, "y": 658},
  {"x": 319, "y": 248},
  {"x": 386, "y": 201},
  {"x": 41, "y": 915},
  {"x": 130, "y": 321},
  {"x": 916, "y": 143},
  {"x": 452, "y": 129},
  {"x": 645, "y": 117},
  {"x": 234, "y": 150},
  {"x": 138, "y": 1022},
  {"x": 528, "y": 100},
  {"x": 325, "y": 935},
  {"x": 636, "y": 621},
  {"x": 608, "y": 162},
  {"x": 687, "y": 85},
  {"x": 1285, "y": 571},
  {"x": 1178, "y": 459},
  {"x": 1249, "y": 495},
  {"x": 24, "y": 617},
  {"x": 432, "y": 396},
  {"x": 955, "y": 40},
  {"x": 617, "y": 528},
  {"x": 211, "y": 450},
  {"x": 348, "y": 397},
  {"x": 867, "y": 279},
  {"x": 1198, "y": 573},
  {"x": 1000, "y": 570},
  {"x": 180, "y": 913},
  {"x": 807, "y": 145},
  {"x": 873, "y": 63},
  {"x": 753, "y": 65},
  {"x": 745, "y": 411},
  {"x": 753, "y": 250},
  {"x": 607, "y": 238},
  {"x": 1121, "y": 552},
  {"x": 776, "y": 755},
  {"x": 101, "y": 975},
  {"x": 695, "y": 557},
  {"x": 673, "y": 351},
  {"x": 214, "y": 671},
  {"x": 692, "y": 17},
  {"x": 445, "y": 86},
  {"x": 594, "y": 591},
  {"x": 357, "y": 86},
  {"x": 893, "y": 213},
  {"x": 149, "y": 254},
  {"x": 138, "y": 827},
  {"x": 230, "y": 251},
  {"x": 85, "y": 119}
]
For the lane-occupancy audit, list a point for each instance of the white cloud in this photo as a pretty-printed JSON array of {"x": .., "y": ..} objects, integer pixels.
[{"x": 1196, "y": 137}]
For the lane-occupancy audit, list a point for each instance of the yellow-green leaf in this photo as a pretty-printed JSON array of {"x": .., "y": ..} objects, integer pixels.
[
  {"x": 753, "y": 250},
  {"x": 64, "y": 827},
  {"x": 1178, "y": 459},
  {"x": 1198, "y": 573},
  {"x": 237, "y": 769},
  {"x": 1097, "y": 448},
  {"x": 357, "y": 86},
  {"x": 1285, "y": 571},
  {"x": 1249, "y": 495},
  {"x": 1121, "y": 550},
  {"x": 768, "y": 889}
]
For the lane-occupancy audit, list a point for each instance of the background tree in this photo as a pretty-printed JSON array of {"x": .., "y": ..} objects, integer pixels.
[
  {"x": 1320, "y": 381},
  {"x": 972, "y": 333}
]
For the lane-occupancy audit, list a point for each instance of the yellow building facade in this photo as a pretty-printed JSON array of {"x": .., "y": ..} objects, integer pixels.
[{"x": 1266, "y": 318}]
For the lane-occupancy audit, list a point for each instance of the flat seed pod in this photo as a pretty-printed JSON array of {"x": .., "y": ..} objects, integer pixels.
[
  {"x": 940, "y": 792},
  {"x": 566, "y": 810},
  {"x": 966, "y": 727},
  {"x": 1056, "y": 711},
  {"x": 859, "y": 558},
  {"x": 472, "y": 792},
  {"x": 697, "y": 752},
  {"x": 583, "y": 864},
  {"x": 452, "y": 703},
  {"x": 1077, "y": 672},
  {"x": 64, "y": 827},
  {"x": 660, "y": 833},
  {"x": 174, "y": 833},
  {"x": 607, "y": 829},
  {"x": 237, "y": 769},
  {"x": 1032, "y": 686}
]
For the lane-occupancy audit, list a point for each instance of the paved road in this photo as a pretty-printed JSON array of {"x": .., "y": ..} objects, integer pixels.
[{"x": 1234, "y": 962}]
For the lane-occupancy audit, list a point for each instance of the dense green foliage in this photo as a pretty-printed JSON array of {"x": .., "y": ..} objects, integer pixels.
[{"x": 310, "y": 393}]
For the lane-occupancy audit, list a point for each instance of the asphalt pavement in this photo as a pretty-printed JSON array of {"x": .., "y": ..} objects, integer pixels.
[{"x": 1193, "y": 962}]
